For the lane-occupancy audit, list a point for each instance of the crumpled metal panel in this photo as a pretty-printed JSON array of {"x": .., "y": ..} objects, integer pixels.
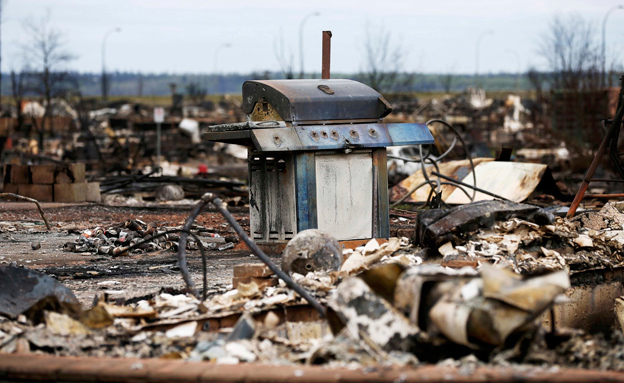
[
  {"x": 316, "y": 100},
  {"x": 512, "y": 180},
  {"x": 365, "y": 314},
  {"x": 485, "y": 311},
  {"x": 475, "y": 309},
  {"x": 436, "y": 227},
  {"x": 23, "y": 289}
]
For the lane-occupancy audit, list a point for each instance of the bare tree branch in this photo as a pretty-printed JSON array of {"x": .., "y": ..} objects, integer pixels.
[
  {"x": 47, "y": 59},
  {"x": 285, "y": 61},
  {"x": 574, "y": 60},
  {"x": 447, "y": 79},
  {"x": 196, "y": 92},
  {"x": 383, "y": 61},
  {"x": 572, "y": 53},
  {"x": 17, "y": 92}
]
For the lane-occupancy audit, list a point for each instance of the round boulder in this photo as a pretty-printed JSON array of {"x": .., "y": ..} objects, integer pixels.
[
  {"x": 312, "y": 250},
  {"x": 170, "y": 193}
]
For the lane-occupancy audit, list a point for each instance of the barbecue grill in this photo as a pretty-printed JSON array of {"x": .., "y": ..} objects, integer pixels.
[{"x": 317, "y": 157}]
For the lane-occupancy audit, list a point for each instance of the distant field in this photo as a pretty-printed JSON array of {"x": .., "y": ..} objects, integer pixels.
[
  {"x": 427, "y": 96},
  {"x": 166, "y": 100},
  {"x": 128, "y": 83},
  {"x": 422, "y": 96}
]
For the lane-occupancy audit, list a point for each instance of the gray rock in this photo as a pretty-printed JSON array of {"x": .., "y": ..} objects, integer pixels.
[{"x": 169, "y": 193}]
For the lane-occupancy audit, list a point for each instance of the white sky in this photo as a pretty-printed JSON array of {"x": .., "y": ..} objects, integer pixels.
[{"x": 183, "y": 35}]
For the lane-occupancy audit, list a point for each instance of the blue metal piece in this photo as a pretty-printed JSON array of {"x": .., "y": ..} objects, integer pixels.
[
  {"x": 305, "y": 190},
  {"x": 332, "y": 137},
  {"x": 409, "y": 134}
]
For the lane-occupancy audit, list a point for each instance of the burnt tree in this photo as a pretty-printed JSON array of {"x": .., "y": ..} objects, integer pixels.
[
  {"x": 383, "y": 62},
  {"x": 47, "y": 58}
]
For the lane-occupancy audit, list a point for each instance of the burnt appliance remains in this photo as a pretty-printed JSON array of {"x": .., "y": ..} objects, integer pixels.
[{"x": 317, "y": 157}]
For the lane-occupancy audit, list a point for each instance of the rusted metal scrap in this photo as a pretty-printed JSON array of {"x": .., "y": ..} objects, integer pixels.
[
  {"x": 436, "y": 227},
  {"x": 426, "y": 303},
  {"x": 485, "y": 312}
]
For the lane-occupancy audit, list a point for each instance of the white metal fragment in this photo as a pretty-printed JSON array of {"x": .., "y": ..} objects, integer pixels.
[
  {"x": 239, "y": 351},
  {"x": 183, "y": 330},
  {"x": 583, "y": 241}
]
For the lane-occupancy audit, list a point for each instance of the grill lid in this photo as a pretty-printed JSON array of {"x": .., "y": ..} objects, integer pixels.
[{"x": 316, "y": 100}]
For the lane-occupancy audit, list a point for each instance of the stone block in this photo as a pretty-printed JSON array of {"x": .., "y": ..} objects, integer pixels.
[
  {"x": 19, "y": 174},
  {"x": 70, "y": 192},
  {"x": 70, "y": 174},
  {"x": 93, "y": 192},
  {"x": 42, "y": 174},
  {"x": 42, "y": 193}
]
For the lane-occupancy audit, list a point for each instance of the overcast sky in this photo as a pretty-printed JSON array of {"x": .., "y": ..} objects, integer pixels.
[{"x": 184, "y": 35}]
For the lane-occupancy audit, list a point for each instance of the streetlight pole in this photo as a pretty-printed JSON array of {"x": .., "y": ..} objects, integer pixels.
[
  {"x": 104, "y": 79},
  {"x": 604, "y": 43},
  {"x": 216, "y": 55},
  {"x": 216, "y": 63},
  {"x": 303, "y": 21},
  {"x": 481, "y": 36},
  {"x": 518, "y": 71}
]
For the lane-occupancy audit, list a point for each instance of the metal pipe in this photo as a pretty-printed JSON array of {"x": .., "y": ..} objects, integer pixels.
[
  {"x": 616, "y": 124},
  {"x": 182, "y": 242},
  {"x": 461, "y": 139},
  {"x": 327, "y": 35},
  {"x": 470, "y": 186},
  {"x": 602, "y": 196},
  {"x": 185, "y": 273},
  {"x": 604, "y": 180},
  {"x": 218, "y": 204}
]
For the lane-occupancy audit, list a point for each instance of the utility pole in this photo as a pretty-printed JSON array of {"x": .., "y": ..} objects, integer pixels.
[
  {"x": 104, "y": 78},
  {"x": 481, "y": 36},
  {"x": 303, "y": 21},
  {"x": 604, "y": 43}
]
